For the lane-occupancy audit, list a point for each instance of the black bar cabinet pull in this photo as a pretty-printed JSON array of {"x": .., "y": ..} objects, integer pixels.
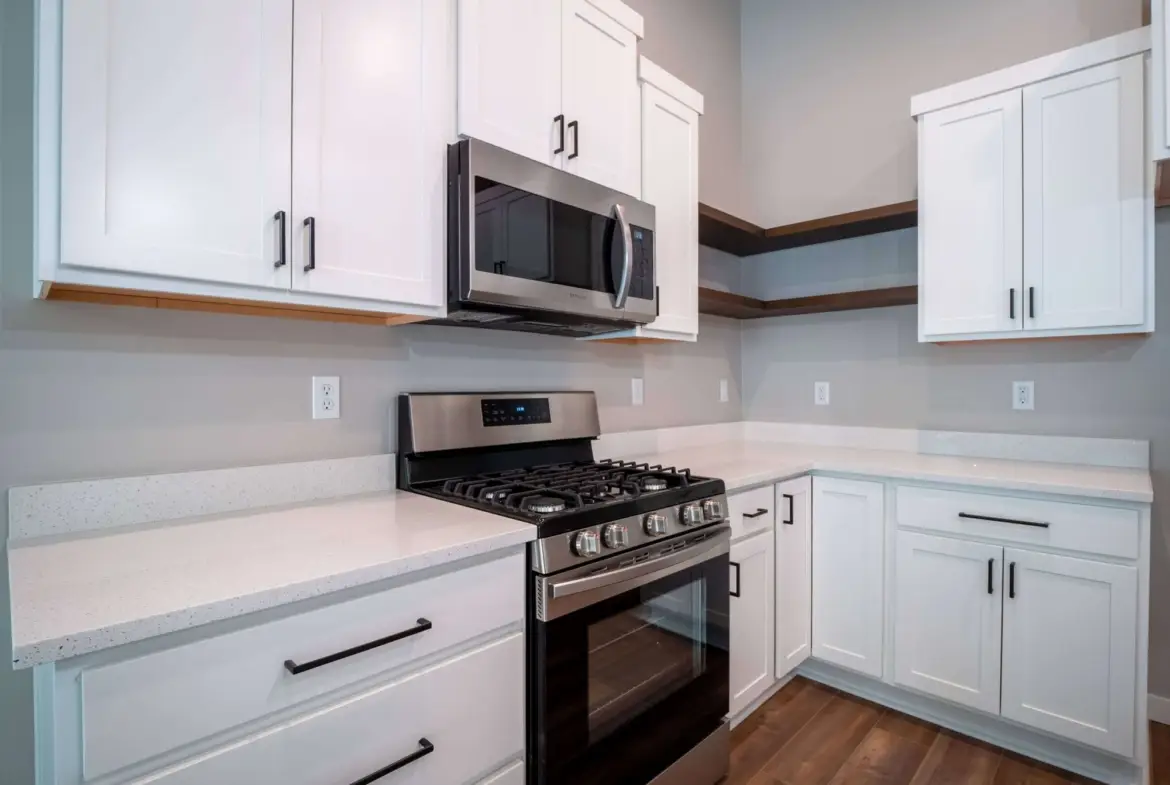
[
  {"x": 311, "y": 227},
  {"x": 990, "y": 576},
  {"x": 736, "y": 566},
  {"x": 1032, "y": 302},
  {"x": 294, "y": 668},
  {"x": 759, "y": 511},
  {"x": 974, "y": 517},
  {"x": 791, "y": 508},
  {"x": 282, "y": 260},
  {"x": 1011, "y": 304},
  {"x": 1012, "y": 580},
  {"x": 576, "y": 140},
  {"x": 560, "y": 121},
  {"x": 424, "y": 748}
]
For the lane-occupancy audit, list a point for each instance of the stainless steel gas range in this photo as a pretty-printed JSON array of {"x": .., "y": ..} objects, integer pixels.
[{"x": 628, "y": 600}]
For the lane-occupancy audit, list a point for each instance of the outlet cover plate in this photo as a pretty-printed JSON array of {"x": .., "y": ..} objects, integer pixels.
[
  {"x": 637, "y": 391},
  {"x": 326, "y": 397},
  {"x": 1024, "y": 396},
  {"x": 821, "y": 393}
]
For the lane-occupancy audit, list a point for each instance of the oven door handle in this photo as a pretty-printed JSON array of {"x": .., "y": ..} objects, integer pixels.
[{"x": 614, "y": 582}]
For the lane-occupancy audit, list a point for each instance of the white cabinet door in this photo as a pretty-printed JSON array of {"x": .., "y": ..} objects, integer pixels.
[
  {"x": 371, "y": 124},
  {"x": 175, "y": 137},
  {"x": 1160, "y": 83},
  {"x": 1085, "y": 199},
  {"x": 793, "y": 574},
  {"x": 848, "y": 590},
  {"x": 949, "y": 602},
  {"x": 970, "y": 223},
  {"x": 752, "y": 591},
  {"x": 601, "y": 100},
  {"x": 1070, "y": 633},
  {"x": 510, "y": 75},
  {"x": 670, "y": 182}
]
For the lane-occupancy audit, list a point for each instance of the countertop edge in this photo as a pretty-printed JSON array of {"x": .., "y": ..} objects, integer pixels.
[{"x": 33, "y": 653}]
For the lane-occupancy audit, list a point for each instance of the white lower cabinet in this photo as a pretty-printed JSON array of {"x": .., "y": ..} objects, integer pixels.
[
  {"x": 512, "y": 775},
  {"x": 948, "y": 608},
  {"x": 460, "y": 714},
  {"x": 793, "y": 574},
  {"x": 1070, "y": 630},
  {"x": 847, "y": 573},
  {"x": 752, "y": 592}
]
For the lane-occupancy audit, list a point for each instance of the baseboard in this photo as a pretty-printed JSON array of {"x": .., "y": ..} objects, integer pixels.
[
  {"x": 1159, "y": 709},
  {"x": 1096, "y": 765}
]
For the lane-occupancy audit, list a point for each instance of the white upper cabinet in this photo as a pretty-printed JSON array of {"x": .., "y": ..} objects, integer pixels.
[
  {"x": 1070, "y": 632},
  {"x": 1036, "y": 199},
  {"x": 1160, "y": 82},
  {"x": 1085, "y": 195},
  {"x": 555, "y": 81},
  {"x": 752, "y": 592},
  {"x": 793, "y": 574},
  {"x": 175, "y": 137},
  {"x": 510, "y": 75},
  {"x": 948, "y": 605},
  {"x": 600, "y": 98},
  {"x": 848, "y": 554},
  {"x": 970, "y": 217},
  {"x": 371, "y": 118}
]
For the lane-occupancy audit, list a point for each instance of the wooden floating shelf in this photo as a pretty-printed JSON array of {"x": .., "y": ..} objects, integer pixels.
[
  {"x": 736, "y": 306},
  {"x": 725, "y": 232}
]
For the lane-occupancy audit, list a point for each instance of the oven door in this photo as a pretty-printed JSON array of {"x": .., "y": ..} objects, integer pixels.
[
  {"x": 629, "y": 667},
  {"x": 542, "y": 239}
]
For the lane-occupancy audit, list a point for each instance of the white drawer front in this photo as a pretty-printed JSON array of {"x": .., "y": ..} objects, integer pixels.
[
  {"x": 745, "y": 509},
  {"x": 1109, "y": 531},
  {"x": 471, "y": 709},
  {"x": 512, "y": 775},
  {"x": 136, "y": 709}
]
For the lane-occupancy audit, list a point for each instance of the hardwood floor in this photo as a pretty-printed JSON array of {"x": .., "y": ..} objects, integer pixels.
[{"x": 809, "y": 734}]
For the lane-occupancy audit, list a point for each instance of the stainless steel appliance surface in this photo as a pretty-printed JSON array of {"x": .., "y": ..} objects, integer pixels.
[
  {"x": 628, "y": 602},
  {"x": 533, "y": 248}
]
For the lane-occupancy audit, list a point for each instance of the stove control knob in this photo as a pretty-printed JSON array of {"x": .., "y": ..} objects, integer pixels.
[
  {"x": 615, "y": 536},
  {"x": 586, "y": 543},
  {"x": 655, "y": 524},
  {"x": 691, "y": 515},
  {"x": 713, "y": 510}
]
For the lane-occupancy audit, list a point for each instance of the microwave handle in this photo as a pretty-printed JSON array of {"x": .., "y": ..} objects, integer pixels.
[{"x": 623, "y": 287}]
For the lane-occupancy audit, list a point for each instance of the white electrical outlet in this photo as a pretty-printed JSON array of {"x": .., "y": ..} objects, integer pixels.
[
  {"x": 637, "y": 391},
  {"x": 724, "y": 394},
  {"x": 821, "y": 393},
  {"x": 326, "y": 397},
  {"x": 1024, "y": 396}
]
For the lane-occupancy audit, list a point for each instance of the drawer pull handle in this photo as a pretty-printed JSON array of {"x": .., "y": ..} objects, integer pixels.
[
  {"x": 424, "y": 748},
  {"x": 736, "y": 566},
  {"x": 759, "y": 511},
  {"x": 294, "y": 668},
  {"x": 791, "y": 508},
  {"x": 973, "y": 517}
]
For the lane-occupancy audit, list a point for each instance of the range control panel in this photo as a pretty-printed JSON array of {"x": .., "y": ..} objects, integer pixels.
[{"x": 515, "y": 411}]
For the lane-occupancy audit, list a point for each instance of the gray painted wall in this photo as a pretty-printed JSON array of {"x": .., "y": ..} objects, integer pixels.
[
  {"x": 91, "y": 391},
  {"x": 827, "y": 86},
  {"x": 882, "y": 376},
  {"x": 698, "y": 41}
]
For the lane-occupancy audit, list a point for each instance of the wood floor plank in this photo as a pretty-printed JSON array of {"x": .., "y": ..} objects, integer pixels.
[
  {"x": 1015, "y": 770},
  {"x": 755, "y": 741},
  {"x": 956, "y": 760},
  {"x": 1160, "y": 753},
  {"x": 882, "y": 758},
  {"x": 818, "y": 750},
  {"x": 909, "y": 728}
]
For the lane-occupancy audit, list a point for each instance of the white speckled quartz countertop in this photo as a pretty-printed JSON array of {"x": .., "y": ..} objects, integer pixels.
[
  {"x": 81, "y": 595},
  {"x": 741, "y": 464}
]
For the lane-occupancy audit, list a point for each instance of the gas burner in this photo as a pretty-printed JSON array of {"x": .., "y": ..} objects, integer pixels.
[
  {"x": 544, "y": 505},
  {"x": 654, "y": 484}
]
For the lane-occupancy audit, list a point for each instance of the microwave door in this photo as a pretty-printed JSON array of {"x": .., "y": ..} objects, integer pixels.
[{"x": 621, "y": 258}]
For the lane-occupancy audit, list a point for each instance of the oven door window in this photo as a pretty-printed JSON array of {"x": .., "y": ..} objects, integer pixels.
[{"x": 626, "y": 686}]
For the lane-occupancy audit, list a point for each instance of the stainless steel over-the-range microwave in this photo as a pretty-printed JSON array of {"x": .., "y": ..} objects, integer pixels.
[{"x": 536, "y": 249}]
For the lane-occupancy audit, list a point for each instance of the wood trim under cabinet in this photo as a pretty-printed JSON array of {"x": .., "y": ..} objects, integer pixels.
[
  {"x": 737, "y": 306},
  {"x": 184, "y": 302}
]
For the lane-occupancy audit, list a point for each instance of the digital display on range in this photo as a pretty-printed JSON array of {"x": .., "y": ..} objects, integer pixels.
[{"x": 515, "y": 411}]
